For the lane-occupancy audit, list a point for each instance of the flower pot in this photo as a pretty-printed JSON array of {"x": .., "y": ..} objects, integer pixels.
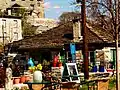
[
  {"x": 60, "y": 64},
  {"x": 37, "y": 76},
  {"x": 22, "y": 79},
  {"x": 27, "y": 78},
  {"x": 54, "y": 64},
  {"x": 17, "y": 80}
]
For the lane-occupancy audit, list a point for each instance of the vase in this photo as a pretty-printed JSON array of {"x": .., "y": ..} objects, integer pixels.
[{"x": 37, "y": 76}]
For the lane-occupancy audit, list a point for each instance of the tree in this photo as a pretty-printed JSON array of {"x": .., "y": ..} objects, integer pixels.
[
  {"x": 102, "y": 13},
  {"x": 68, "y": 16},
  {"x": 106, "y": 13}
]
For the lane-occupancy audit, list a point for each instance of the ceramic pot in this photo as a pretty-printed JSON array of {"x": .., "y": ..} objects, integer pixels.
[
  {"x": 54, "y": 64},
  {"x": 22, "y": 79},
  {"x": 37, "y": 76},
  {"x": 27, "y": 78},
  {"x": 17, "y": 80},
  {"x": 60, "y": 64}
]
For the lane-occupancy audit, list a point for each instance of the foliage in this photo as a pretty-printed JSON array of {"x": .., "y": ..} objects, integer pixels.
[
  {"x": 68, "y": 16},
  {"x": 102, "y": 13},
  {"x": 27, "y": 28},
  {"x": 112, "y": 82},
  {"x": 34, "y": 68},
  {"x": 16, "y": 71},
  {"x": 22, "y": 88}
]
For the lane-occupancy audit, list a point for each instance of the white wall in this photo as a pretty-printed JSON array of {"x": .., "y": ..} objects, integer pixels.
[{"x": 12, "y": 29}]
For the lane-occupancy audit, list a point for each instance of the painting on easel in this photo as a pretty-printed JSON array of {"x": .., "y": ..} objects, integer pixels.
[{"x": 71, "y": 70}]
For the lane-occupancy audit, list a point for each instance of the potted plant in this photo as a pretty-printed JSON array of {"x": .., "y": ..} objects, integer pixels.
[{"x": 37, "y": 74}]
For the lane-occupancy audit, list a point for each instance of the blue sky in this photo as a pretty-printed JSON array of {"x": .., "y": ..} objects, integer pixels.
[{"x": 54, "y": 8}]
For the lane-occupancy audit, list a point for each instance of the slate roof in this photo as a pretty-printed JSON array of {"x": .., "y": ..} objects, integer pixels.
[{"x": 57, "y": 37}]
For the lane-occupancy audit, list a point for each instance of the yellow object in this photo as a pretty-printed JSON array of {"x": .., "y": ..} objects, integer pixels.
[{"x": 34, "y": 68}]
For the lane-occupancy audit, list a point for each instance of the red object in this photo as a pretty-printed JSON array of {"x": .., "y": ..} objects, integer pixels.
[
  {"x": 54, "y": 64},
  {"x": 22, "y": 79},
  {"x": 60, "y": 64},
  {"x": 110, "y": 70},
  {"x": 55, "y": 59}
]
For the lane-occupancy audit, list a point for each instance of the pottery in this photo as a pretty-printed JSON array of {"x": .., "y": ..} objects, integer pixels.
[
  {"x": 54, "y": 64},
  {"x": 60, "y": 64},
  {"x": 37, "y": 76},
  {"x": 22, "y": 79},
  {"x": 27, "y": 78},
  {"x": 17, "y": 80}
]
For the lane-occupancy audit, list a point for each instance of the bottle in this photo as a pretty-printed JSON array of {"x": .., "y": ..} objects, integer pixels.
[{"x": 30, "y": 63}]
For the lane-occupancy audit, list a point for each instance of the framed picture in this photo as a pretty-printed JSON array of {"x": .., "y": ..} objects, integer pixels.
[{"x": 72, "y": 71}]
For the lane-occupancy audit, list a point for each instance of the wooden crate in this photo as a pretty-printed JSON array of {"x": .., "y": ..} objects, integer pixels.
[
  {"x": 37, "y": 86},
  {"x": 103, "y": 84}
]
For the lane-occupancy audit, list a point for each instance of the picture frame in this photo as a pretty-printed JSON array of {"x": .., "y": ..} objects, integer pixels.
[{"x": 72, "y": 70}]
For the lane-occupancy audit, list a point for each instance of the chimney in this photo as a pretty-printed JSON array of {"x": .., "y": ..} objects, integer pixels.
[{"x": 77, "y": 31}]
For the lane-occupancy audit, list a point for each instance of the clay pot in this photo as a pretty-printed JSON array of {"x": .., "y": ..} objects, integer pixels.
[
  {"x": 22, "y": 79},
  {"x": 60, "y": 64},
  {"x": 27, "y": 78},
  {"x": 17, "y": 80},
  {"x": 54, "y": 64}
]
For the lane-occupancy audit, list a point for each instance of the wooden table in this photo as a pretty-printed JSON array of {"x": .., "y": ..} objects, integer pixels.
[{"x": 100, "y": 80}]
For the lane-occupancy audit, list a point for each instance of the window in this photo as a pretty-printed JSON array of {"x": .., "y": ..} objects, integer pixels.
[
  {"x": 38, "y": 4},
  {"x": 15, "y": 36},
  {"x": 5, "y": 34},
  {"x": 31, "y": 6},
  {"x": 15, "y": 24}
]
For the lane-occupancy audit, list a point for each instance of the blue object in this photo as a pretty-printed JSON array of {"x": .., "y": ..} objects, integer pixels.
[
  {"x": 94, "y": 69},
  {"x": 101, "y": 69},
  {"x": 72, "y": 48},
  {"x": 30, "y": 62},
  {"x": 73, "y": 58}
]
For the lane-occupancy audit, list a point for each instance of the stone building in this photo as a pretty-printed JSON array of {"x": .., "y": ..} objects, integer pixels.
[
  {"x": 10, "y": 29},
  {"x": 35, "y": 5}
]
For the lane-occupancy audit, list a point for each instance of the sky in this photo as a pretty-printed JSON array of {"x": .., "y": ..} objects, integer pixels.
[{"x": 54, "y": 8}]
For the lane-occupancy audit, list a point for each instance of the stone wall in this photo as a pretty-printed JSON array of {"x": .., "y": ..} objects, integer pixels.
[{"x": 28, "y": 4}]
